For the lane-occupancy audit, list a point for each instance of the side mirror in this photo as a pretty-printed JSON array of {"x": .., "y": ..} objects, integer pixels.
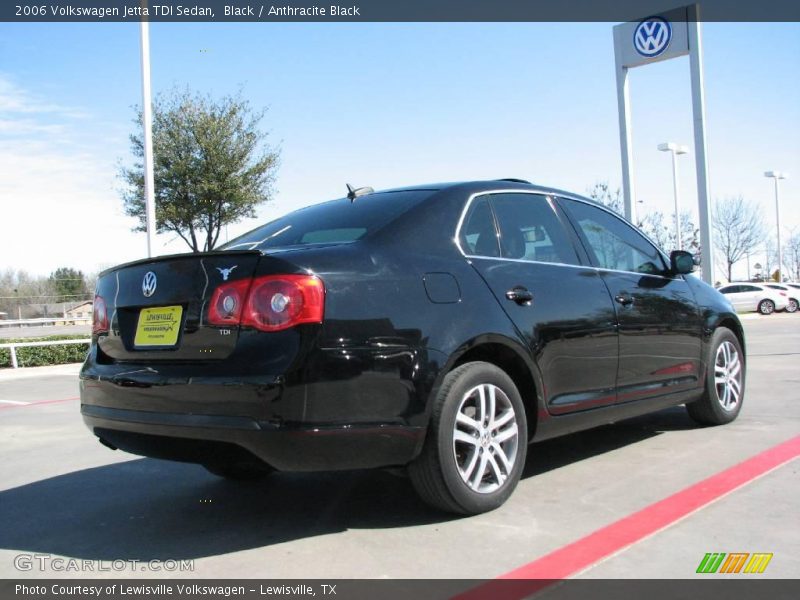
[{"x": 681, "y": 262}]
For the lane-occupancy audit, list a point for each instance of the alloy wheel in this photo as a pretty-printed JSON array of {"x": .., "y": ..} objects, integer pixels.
[
  {"x": 485, "y": 438},
  {"x": 766, "y": 307},
  {"x": 728, "y": 376}
]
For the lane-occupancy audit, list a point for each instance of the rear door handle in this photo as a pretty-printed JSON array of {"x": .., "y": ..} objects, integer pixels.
[
  {"x": 624, "y": 299},
  {"x": 520, "y": 295}
]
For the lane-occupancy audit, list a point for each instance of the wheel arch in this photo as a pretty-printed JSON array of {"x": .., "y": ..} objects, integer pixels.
[
  {"x": 510, "y": 356},
  {"x": 735, "y": 326}
]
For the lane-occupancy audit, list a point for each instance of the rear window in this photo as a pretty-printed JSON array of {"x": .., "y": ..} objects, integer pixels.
[{"x": 334, "y": 222}]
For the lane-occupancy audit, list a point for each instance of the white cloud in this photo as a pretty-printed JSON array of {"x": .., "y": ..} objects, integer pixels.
[{"x": 59, "y": 204}]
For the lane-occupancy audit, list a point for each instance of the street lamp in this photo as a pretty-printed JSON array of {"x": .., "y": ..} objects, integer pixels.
[
  {"x": 675, "y": 149},
  {"x": 776, "y": 175}
]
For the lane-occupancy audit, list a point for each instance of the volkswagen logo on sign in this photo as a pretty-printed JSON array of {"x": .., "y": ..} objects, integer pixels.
[
  {"x": 149, "y": 284},
  {"x": 652, "y": 36}
]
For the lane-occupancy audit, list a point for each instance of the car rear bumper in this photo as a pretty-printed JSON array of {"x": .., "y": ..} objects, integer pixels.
[
  {"x": 219, "y": 439},
  {"x": 182, "y": 413}
]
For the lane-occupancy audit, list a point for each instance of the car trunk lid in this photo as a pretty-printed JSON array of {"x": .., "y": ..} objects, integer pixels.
[{"x": 158, "y": 308}]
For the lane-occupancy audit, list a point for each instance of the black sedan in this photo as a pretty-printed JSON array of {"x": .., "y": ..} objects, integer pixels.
[{"x": 441, "y": 327}]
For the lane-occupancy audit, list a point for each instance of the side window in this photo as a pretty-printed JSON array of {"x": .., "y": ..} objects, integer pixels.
[
  {"x": 530, "y": 230},
  {"x": 478, "y": 236},
  {"x": 614, "y": 244},
  {"x": 731, "y": 289}
]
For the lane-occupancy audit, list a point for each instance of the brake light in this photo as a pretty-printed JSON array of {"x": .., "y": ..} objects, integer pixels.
[
  {"x": 227, "y": 303},
  {"x": 782, "y": 294},
  {"x": 269, "y": 303},
  {"x": 99, "y": 316}
]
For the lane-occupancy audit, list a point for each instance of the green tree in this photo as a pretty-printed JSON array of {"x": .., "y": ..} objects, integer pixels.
[
  {"x": 212, "y": 166},
  {"x": 68, "y": 285}
]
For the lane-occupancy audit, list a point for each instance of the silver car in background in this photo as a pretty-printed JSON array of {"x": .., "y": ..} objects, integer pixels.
[
  {"x": 749, "y": 297},
  {"x": 791, "y": 293}
]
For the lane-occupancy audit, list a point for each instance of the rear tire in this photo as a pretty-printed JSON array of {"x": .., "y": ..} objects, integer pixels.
[
  {"x": 239, "y": 472},
  {"x": 476, "y": 444},
  {"x": 766, "y": 307},
  {"x": 725, "y": 380}
]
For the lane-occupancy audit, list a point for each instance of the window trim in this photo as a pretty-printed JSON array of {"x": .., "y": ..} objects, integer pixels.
[
  {"x": 549, "y": 196},
  {"x": 636, "y": 230}
]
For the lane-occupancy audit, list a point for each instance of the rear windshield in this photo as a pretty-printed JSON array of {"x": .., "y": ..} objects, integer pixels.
[{"x": 331, "y": 222}]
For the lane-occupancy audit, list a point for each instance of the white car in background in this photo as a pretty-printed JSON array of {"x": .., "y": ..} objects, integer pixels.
[
  {"x": 749, "y": 297},
  {"x": 791, "y": 293}
]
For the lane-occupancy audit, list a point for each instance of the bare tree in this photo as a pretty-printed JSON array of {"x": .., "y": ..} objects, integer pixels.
[
  {"x": 601, "y": 192},
  {"x": 654, "y": 224},
  {"x": 656, "y": 227},
  {"x": 770, "y": 258},
  {"x": 791, "y": 255},
  {"x": 738, "y": 229}
]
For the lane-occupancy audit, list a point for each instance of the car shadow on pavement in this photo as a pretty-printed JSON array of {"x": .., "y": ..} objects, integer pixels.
[
  {"x": 148, "y": 509},
  {"x": 558, "y": 452}
]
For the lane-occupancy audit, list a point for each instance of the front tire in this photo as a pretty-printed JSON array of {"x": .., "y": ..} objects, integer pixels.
[
  {"x": 725, "y": 379},
  {"x": 766, "y": 307},
  {"x": 793, "y": 305},
  {"x": 477, "y": 442}
]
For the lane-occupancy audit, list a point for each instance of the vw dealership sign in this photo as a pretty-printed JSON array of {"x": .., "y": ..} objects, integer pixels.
[
  {"x": 651, "y": 39},
  {"x": 652, "y": 36},
  {"x": 660, "y": 37}
]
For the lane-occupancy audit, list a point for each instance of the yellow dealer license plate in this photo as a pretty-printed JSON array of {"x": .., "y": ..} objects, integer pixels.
[{"x": 158, "y": 326}]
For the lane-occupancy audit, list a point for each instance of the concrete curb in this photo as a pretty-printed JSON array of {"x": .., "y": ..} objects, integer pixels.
[{"x": 8, "y": 374}]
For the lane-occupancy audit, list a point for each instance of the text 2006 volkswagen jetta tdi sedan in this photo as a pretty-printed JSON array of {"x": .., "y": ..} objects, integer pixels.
[{"x": 439, "y": 327}]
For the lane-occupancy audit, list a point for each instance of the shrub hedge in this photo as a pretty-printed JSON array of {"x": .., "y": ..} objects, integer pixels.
[{"x": 39, "y": 356}]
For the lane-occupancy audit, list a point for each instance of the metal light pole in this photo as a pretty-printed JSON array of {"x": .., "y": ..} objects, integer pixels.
[
  {"x": 147, "y": 119},
  {"x": 776, "y": 175},
  {"x": 675, "y": 149}
]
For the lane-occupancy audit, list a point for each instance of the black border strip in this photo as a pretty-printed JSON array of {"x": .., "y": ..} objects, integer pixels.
[{"x": 258, "y": 11}]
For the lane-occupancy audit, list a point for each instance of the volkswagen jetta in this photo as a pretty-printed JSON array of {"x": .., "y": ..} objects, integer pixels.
[{"x": 442, "y": 328}]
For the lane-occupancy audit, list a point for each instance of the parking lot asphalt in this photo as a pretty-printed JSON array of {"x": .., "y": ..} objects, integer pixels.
[{"x": 62, "y": 494}]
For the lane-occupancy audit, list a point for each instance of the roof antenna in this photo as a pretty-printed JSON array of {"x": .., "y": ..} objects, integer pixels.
[{"x": 354, "y": 193}]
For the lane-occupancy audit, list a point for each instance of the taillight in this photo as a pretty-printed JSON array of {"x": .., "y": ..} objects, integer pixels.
[
  {"x": 99, "y": 316},
  {"x": 269, "y": 303},
  {"x": 782, "y": 294},
  {"x": 227, "y": 303}
]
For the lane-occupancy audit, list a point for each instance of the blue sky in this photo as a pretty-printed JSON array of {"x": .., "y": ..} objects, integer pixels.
[{"x": 380, "y": 105}]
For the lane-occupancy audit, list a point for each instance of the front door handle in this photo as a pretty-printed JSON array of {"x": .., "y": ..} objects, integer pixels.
[
  {"x": 520, "y": 295},
  {"x": 624, "y": 299}
]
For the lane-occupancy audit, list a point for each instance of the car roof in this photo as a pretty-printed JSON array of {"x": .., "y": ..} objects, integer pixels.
[{"x": 483, "y": 185}]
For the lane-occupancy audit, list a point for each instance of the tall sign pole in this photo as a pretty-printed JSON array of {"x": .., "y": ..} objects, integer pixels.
[
  {"x": 700, "y": 160},
  {"x": 147, "y": 120},
  {"x": 652, "y": 39},
  {"x": 625, "y": 141}
]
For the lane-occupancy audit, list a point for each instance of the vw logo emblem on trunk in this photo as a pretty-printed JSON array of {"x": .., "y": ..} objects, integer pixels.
[
  {"x": 149, "y": 284},
  {"x": 652, "y": 36}
]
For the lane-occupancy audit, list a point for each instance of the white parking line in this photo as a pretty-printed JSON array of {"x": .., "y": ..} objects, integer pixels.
[{"x": 13, "y": 402}]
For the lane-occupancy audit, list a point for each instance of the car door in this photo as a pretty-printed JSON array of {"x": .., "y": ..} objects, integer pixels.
[
  {"x": 529, "y": 258},
  {"x": 659, "y": 324},
  {"x": 750, "y": 296}
]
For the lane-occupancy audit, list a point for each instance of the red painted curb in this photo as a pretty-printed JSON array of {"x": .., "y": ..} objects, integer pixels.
[
  {"x": 38, "y": 403},
  {"x": 585, "y": 552}
]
